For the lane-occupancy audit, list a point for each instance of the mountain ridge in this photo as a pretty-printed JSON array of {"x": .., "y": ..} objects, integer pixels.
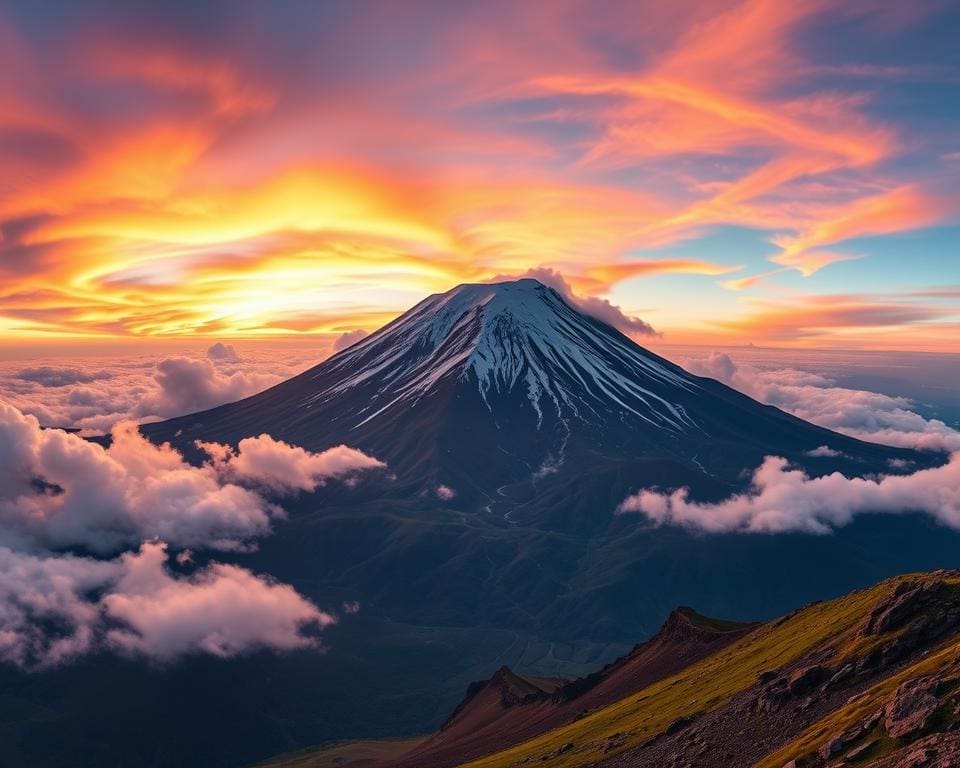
[{"x": 508, "y": 707}]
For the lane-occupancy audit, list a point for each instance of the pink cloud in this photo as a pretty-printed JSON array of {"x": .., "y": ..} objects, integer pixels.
[
  {"x": 57, "y": 489},
  {"x": 274, "y": 464},
  {"x": 133, "y": 604},
  {"x": 600, "y": 309},
  {"x": 445, "y": 492},
  {"x": 223, "y": 610},
  {"x": 824, "y": 451},
  {"x": 187, "y": 385},
  {"x": 38, "y": 589},
  {"x": 221, "y": 352}
]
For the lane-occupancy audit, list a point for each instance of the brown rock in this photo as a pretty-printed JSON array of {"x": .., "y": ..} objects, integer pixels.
[
  {"x": 905, "y": 600},
  {"x": 840, "y": 676},
  {"x": 832, "y": 748},
  {"x": 939, "y": 750},
  {"x": 870, "y": 721},
  {"x": 806, "y": 678},
  {"x": 911, "y": 708}
]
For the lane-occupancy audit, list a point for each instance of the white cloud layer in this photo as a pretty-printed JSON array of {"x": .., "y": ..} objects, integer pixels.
[
  {"x": 187, "y": 385},
  {"x": 277, "y": 466},
  {"x": 60, "y": 491},
  {"x": 781, "y": 498},
  {"x": 859, "y": 413},
  {"x": 94, "y": 394}
]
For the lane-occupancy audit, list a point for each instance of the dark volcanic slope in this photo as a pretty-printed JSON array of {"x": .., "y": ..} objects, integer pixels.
[
  {"x": 527, "y": 408},
  {"x": 509, "y": 708}
]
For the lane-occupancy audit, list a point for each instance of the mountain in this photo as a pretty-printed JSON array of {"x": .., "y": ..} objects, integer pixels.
[
  {"x": 525, "y": 408},
  {"x": 871, "y": 679}
]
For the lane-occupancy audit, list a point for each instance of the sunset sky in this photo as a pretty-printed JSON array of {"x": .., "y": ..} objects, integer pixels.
[{"x": 775, "y": 173}]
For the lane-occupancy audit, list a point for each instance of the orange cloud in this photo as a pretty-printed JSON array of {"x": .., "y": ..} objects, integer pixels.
[
  {"x": 905, "y": 207},
  {"x": 843, "y": 319},
  {"x": 156, "y": 181}
]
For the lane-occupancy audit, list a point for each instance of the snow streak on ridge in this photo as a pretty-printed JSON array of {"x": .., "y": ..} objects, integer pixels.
[{"x": 511, "y": 336}]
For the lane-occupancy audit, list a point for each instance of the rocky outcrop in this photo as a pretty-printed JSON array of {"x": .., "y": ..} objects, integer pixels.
[
  {"x": 904, "y": 601},
  {"x": 504, "y": 689},
  {"x": 912, "y": 708},
  {"x": 800, "y": 681},
  {"x": 939, "y": 750},
  {"x": 839, "y": 743}
]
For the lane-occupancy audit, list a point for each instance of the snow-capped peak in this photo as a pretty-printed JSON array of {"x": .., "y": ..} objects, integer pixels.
[{"x": 516, "y": 336}]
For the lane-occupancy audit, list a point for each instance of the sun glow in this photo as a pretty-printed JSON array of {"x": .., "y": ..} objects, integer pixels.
[{"x": 150, "y": 187}]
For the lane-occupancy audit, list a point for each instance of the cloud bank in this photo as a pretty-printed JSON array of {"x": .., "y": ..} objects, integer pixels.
[
  {"x": 187, "y": 385},
  {"x": 283, "y": 468},
  {"x": 58, "y": 490},
  {"x": 94, "y": 394},
  {"x": 781, "y": 499},
  {"x": 224, "y": 352},
  {"x": 859, "y": 413},
  {"x": 124, "y": 505}
]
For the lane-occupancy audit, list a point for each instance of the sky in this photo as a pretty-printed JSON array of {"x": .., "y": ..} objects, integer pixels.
[{"x": 767, "y": 173}]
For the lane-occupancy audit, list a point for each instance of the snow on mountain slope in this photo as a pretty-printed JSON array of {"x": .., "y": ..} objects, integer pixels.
[
  {"x": 518, "y": 335},
  {"x": 526, "y": 407}
]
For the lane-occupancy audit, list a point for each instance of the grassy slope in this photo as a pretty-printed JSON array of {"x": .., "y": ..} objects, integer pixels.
[
  {"x": 701, "y": 687},
  {"x": 842, "y": 719}
]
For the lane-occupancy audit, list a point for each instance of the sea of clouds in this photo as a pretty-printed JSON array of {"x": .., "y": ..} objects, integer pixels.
[{"x": 97, "y": 544}]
